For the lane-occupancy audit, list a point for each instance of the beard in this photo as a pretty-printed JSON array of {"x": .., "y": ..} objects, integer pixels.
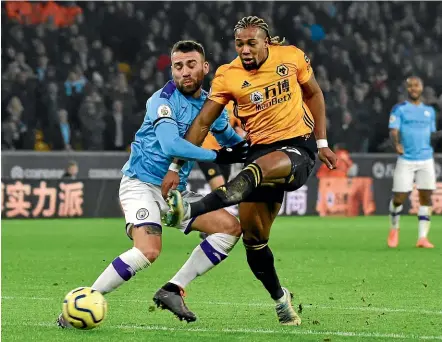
[
  {"x": 190, "y": 89},
  {"x": 250, "y": 66},
  {"x": 414, "y": 97}
]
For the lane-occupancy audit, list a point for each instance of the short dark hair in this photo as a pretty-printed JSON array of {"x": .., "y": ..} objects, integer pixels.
[{"x": 188, "y": 46}]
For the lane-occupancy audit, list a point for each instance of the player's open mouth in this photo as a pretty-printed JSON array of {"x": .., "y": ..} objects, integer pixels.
[
  {"x": 247, "y": 61},
  {"x": 188, "y": 83}
]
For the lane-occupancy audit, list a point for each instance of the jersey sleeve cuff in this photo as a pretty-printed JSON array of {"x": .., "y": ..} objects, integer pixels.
[
  {"x": 219, "y": 131},
  {"x": 161, "y": 119},
  {"x": 218, "y": 100}
]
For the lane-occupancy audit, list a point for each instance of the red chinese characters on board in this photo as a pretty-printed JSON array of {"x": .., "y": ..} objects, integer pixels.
[{"x": 27, "y": 200}]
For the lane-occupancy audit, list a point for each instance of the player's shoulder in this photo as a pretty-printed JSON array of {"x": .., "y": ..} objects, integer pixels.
[
  {"x": 399, "y": 106},
  {"x": 429, "y": 108},
  {"x": 227, "y": 68},
  {"x": 167, "y": 94},
  {"x": 284, "y": 50}
]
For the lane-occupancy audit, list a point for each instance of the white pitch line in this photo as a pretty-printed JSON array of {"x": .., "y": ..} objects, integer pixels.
[
  {"x": 249, "y": 331},
  {"x": 305, "y": 306}
]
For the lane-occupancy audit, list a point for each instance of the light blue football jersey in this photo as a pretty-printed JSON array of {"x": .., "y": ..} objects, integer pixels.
[
  {"x": 415, "y": 124},
  {"x": 148, "y": 162}
]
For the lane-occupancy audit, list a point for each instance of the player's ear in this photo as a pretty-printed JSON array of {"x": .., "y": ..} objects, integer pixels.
[
  {"x": 266, "y": 42},
  {"x": 206, "y": 67}
]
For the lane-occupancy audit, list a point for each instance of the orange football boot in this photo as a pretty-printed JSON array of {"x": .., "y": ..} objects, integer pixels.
[
  {"x": 393, "y": 238},
  {"x": 424, "y": 243}
]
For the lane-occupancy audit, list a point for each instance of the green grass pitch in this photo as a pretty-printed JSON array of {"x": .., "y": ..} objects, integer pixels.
[{"x": 350, "y": 285}]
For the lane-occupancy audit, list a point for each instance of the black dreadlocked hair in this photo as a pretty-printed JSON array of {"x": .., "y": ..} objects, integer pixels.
[{"x": 260, "y": 23}]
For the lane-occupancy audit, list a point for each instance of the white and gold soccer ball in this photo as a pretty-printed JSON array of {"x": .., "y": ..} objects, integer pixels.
[{"x": 84, "y": 308}]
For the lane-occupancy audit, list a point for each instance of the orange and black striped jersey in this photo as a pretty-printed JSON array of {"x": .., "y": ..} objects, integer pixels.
[
  {"x": 210, "y": 141},
  {"x": 268, "y": 101}
]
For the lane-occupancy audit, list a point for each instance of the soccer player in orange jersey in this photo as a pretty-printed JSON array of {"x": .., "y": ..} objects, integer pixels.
[{"x": 280, "y": 105}]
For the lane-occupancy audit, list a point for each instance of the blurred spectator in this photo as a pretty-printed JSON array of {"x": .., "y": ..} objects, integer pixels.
[
  {"x": 119, "y": 51},
  {"x": 71, "y": 171},
  {"x": 13, "y": 128},
  {"x": 91, "y": 116},
  {"x": 116, "y": 133},
  {"x": 62, "y": 135},
  {"x": 352, "y": 133}
]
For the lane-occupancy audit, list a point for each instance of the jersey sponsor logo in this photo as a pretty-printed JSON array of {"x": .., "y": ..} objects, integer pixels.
[
  {"x": 256, "y": 97},
  {"x": 142, "y": 213},
  {"x": 272, "y": 95},
  {"x": 282, "y": 70},
  {"x": 164, "y": 111},
  {"x": 307, "y": 60}
]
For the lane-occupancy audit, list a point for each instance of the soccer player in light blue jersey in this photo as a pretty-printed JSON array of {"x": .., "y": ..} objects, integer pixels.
[
  {"x": 412, "y": 124},
  {"x": 169, "y": 113}
]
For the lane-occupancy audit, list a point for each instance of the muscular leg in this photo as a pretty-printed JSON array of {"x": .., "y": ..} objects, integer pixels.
[
  {"x": 256, "y": 221},
  {"x": 424, "y": 212},
  {"x": 272, "y": 167},
  {"x": 147, "y": 247},
  {"x": 214, "y": 183},
  {"x": 223, "y": 231},
  {"x": 396, "y": 206}
]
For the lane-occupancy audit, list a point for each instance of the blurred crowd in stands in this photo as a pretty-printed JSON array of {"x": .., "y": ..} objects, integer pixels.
[{"x": 76, "y": 75}]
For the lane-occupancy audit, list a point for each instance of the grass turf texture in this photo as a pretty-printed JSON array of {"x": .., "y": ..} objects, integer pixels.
[{"x": 351, "y": 286}]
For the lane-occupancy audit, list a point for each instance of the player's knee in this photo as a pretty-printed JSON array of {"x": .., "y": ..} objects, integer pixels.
[
  {"x": 253, "y": 233},
  {"x": 150, "y": 252},
  {"x": 148, "y": 240},
  {"x": 399, "y": 199},
  {"x": 263, "y": 167},
  {"x": 229, "y": 225},
  {"x": 425, "y": 198}
]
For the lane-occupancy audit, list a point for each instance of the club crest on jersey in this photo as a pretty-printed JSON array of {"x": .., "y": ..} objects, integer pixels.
[
  {"x": 392, "y": 118},
  {"x": 164, "y": 111},
  {"x": 142, "y": 214},
  {"x": 307, "y": 60},
  {"x": 427, "y": 113},
  {"x": 282, "y": 70},
  {"x": 256, "y": 97}
]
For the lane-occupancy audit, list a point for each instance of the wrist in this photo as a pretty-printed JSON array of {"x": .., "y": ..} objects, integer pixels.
[
  {"x": 175, "y": 167},
  {"x": 321, "y": 143}
]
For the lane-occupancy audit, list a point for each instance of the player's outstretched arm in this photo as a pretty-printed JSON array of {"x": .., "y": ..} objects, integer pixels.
[
  {"x": 314, "y": 98},
  {"x": 200, "y": 126},
  {"x": 196, "y": 134}
]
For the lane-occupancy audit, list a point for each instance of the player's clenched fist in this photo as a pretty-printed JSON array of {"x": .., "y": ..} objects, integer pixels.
[
  {"x": 234, "y": 154},
  {"x": 328, "y": 157},
  {"x": 170, "y": 182}
]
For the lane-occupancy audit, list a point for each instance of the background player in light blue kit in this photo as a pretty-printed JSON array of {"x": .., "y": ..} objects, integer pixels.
[
  {"x": 412, "y": 124},
  {"x": 169, "y": 113}
]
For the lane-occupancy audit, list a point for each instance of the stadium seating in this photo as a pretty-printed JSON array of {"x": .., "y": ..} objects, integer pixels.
[{"x": 100, "y": 64}]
